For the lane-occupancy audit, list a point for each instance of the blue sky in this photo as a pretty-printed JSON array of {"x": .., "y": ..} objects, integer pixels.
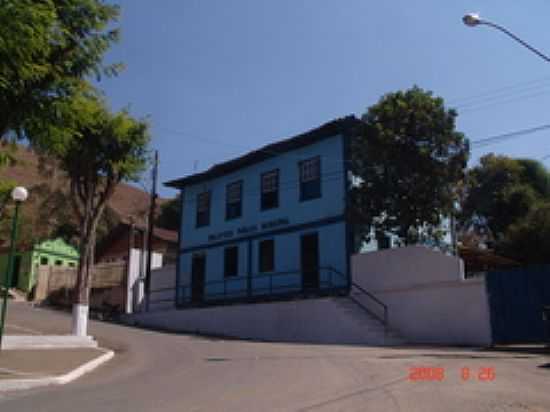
[{"x": 219, "y": 77}]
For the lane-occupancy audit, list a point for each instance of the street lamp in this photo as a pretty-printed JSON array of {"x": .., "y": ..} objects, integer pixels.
[
  {"x": 19, "y": 195},
  {"x": 473, "y": 20}
]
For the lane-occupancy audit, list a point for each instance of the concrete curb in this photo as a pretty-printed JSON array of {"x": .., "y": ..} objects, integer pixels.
[
  {"x": 21, "y": 384},
  {"x": 42, "y": 342}
]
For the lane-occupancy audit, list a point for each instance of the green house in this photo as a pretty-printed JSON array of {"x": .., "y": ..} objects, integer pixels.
[{"x": 54, "y": 252}]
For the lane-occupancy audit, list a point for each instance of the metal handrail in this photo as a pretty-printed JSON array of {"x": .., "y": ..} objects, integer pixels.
[
  {"x": 257, "y": 276},
  {"x": 375, "y": 299},
  {"x": 371, "y": 296},
  {"x": 236, "y": 294},
  {"x": 161, "y": 290}
]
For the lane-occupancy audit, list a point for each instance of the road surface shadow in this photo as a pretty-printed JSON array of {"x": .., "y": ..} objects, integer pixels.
[
  {"x": 535, "y": 349},
  {"x": 453, "y": 356}
]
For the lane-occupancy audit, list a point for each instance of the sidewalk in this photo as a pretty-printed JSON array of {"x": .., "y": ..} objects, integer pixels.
[
  {"x": 25, "y": 369},
  {"x": 40, "y": 352}
]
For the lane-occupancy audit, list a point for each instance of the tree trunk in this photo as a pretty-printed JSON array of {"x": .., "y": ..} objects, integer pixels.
[
  {"x": 82, "y": 287},
  {"x": 90, "y": 221}
]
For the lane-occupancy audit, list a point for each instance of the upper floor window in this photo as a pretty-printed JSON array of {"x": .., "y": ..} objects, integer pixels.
[
  {"x": 203, "y": 209},
  {"x": 310, "y": 178},
  {"x": 234, "y": 200},
  {"x": 270, "y": 190}
]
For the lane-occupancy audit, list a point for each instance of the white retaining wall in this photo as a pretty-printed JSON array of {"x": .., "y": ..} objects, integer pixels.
[
  {"x": 136, "y": 276},
  {"x": 428, "y": 298},
  {"x": 163, "y": 287},
  {"x": 323, "y": 320}
]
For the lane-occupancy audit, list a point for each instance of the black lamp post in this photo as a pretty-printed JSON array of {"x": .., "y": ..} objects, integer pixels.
[{"x": 19, "y": 195}]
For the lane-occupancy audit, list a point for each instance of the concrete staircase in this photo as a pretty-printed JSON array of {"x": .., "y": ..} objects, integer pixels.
[
  {"x": 325, "y": 320},
  {"x": 375, "y": 333}
]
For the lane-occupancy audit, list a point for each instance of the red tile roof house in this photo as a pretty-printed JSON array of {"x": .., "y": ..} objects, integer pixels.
[{"x": 115, "y": 247}]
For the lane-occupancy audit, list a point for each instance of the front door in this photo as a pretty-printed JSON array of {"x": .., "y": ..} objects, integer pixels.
[
  {"x": 310, "y": 261},
  {"x": 198, "y": 272},
  {"x": 15, "y": 272}
]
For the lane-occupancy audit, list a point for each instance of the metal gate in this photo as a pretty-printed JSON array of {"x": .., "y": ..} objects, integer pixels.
[{"x": 516, "y": 299}]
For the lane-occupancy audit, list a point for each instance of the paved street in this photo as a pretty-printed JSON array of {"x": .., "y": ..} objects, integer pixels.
[{"x": 166, "y": 372}]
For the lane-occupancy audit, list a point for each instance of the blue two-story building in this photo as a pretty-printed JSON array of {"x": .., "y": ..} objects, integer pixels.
[{"x": 269, "y": 224}]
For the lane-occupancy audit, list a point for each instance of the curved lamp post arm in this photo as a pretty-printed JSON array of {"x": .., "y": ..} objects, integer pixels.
[
  {"x": 473, "y": 20},
  {"x": 516, "y": 38}
]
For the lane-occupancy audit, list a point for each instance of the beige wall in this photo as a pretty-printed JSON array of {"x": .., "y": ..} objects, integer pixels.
[{"x": 428, "y": 298}]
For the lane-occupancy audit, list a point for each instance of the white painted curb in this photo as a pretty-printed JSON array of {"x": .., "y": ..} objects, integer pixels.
[
  {"x": 20, "y": 384},
  {"x": 33, "y": 342}
]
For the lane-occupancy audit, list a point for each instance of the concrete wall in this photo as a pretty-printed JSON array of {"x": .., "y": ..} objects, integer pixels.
[
  {"x": 313, "y": 320},
  {"x": 163, "y": 287},
  {"x": 428, "y": 298},
  {"x": 55, "y": 285},
  {"x": 137, "y": 265}
]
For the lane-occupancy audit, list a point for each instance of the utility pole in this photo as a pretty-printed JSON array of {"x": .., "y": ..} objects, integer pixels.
[{"x": 150, "y": 232}]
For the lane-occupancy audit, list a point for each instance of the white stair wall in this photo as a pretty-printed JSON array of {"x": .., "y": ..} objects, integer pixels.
[{"x": 332, "y": 320}]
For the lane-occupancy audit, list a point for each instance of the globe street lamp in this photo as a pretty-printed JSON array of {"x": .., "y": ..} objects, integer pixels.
[
  {"x": 473, "y": 20},
  {"x": 19, "y": 195}
]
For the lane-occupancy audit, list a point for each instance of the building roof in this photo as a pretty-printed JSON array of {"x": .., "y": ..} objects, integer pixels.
[
  {"x": 162, "y": 234},
  {"x": 169, "y": 236},
  {"x": 30, "y": 246},
  {"x": 343, "y": 126}
]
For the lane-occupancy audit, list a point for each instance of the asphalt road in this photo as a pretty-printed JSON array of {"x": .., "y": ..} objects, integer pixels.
[{"x": 160, "y": 372}]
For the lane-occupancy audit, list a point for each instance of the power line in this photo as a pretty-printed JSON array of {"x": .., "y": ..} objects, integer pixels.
[
  {"x": 477, "y": 107},
  {"x": 491, "y": 94},
  {"x": 480, "y": 143},
  {"x": 474, "y": 144}
]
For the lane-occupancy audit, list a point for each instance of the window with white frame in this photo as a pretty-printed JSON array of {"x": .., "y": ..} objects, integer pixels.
[
  {"x": 270, "y": 190},
  {"x": 203, "y": 209},
  {"x": 234, "y": 197},
  {"x": 310, "y": 178}
]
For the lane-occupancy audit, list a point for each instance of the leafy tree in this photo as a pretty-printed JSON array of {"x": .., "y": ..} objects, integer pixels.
[
  {"x": 501, "y": 191},
  {"x": 6, "y": 187},
  {"x": 46, "y": 48},
  {"x": 97, "y": 150},
  {"x": 169, "y": 216},
  {"x": 408, "y": 161},
  {"x": 528, "y": 240}
]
